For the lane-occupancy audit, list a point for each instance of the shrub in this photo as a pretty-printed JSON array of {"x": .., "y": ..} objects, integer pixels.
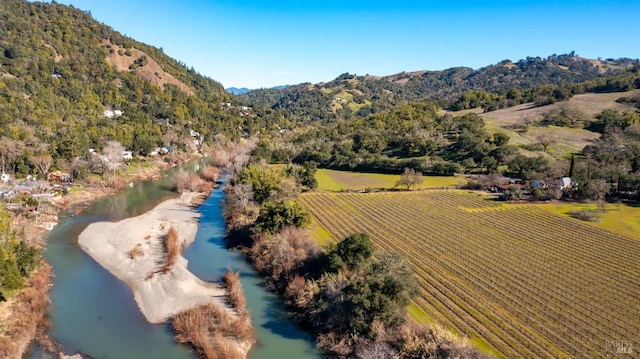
[
  {"x": 275, "y": 216},
  {"x": 210, "y": 173},
  {"x": 172, "y": 249},
  {"x": 231, "y": 281},
  {"x": 586, "y": 215},
  {"x": 184, "y": 181},
  {"x": 212, "y": 331}
]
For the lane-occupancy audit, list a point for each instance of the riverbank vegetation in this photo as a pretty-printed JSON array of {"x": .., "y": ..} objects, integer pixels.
[
  {"x": 214, "y": 332},
  {"x": 17, "y": 258},
  {"x": 24, "y": 319},
  {"x": 171, "y": 248}
]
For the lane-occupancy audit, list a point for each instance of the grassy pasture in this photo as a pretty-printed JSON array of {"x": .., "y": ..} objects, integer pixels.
[
  {"x": 621, "y": 219},
  {"x": 519, "y": 280},
  {"x": 566, "y": 140},
  {"x": 331, "y": 180}
]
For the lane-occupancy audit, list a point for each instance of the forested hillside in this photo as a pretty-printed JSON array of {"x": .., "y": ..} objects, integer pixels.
[
  {"x": 60, "y": 70},
  {"x": 597, "y": 149},
  {"x": 507, "y": 83}
]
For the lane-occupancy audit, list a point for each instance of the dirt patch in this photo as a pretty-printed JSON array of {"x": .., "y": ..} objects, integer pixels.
[
  {"x": 150, "y": 71},
  {"x": 56, "y": 56}
]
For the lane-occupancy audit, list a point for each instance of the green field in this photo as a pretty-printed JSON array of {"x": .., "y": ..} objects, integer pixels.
[
  {"x": 621, "y": 219},
  {"x": 331, "y": 180},
  {"x": 519, "y": 280}
]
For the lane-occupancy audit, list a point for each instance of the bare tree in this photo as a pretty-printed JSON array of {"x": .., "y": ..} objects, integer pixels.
[
  {"x": 376, "y": 351},
  {"x": 113, "y": 157},
  {"x": 10, "y": 149},
  {"x": 410, "y": 178},
  {"x": 545, "y": 141},
  {"x": 42, "y": 162},
  {"x": 220, "y": 157}
]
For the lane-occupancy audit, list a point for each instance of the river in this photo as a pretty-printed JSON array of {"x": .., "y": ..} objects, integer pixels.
[{"x": 94, "y": 313}]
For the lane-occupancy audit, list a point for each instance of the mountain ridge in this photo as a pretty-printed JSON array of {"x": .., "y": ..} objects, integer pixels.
[{"x": 349, "y": 94}]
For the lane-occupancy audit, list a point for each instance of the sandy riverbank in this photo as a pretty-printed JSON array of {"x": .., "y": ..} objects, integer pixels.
[{"x": 159, "y": 296}]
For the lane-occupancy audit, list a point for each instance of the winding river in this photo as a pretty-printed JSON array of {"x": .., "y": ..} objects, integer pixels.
[{"x": 94, "y": 313}]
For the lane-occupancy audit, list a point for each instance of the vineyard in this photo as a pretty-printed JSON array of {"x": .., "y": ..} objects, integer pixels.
[{"x": 526, "y": 281}]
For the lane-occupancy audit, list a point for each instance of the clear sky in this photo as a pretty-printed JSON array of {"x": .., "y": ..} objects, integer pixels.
[{"x": 252, "y": 43}]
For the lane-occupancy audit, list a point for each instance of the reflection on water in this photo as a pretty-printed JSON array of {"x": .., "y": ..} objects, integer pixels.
[{"x": 94, "y": 313}]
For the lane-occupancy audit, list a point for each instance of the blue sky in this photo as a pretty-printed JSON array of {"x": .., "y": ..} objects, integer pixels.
[{"x": 251, "y": 43}]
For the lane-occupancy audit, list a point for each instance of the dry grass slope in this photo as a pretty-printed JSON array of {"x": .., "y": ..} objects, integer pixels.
[
  {"x": 151, "y": 71},
  {"x": 526, "y": 281}
]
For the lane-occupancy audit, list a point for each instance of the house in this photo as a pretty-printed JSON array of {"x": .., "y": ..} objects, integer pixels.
[
  {"x": 5, "y": 178},
  {"x": 127, "y": 155},
  {"x": 160, "y": 151},
  {"x": 538, "y": 184},
  {"x": 564, "y": 183},
  {"x": 58, "y": 177},
  {"x": 112, "y": 113}
]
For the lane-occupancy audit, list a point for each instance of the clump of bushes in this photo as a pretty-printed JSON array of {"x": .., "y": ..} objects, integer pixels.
[
  {"x": 172, "y": 249},
  {"x": 283, "y": 255},
  {"x": 587, "y": 215},
  {"x": 17, "y": 258},
  {"x": 136, "y": 252},
  {"x": 213, "y": 331},
  {"x": 210, "y": 173},
  {"x": 30, "y": 308},
  {"x": 184, "y": 182},
  {"x": 231, "y": 280}
]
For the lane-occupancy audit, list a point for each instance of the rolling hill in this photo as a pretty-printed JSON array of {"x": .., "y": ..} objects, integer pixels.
[{"x": 349, "y": 95}]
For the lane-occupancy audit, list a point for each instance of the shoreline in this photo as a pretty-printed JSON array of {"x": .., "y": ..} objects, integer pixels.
[{"x": 132, "y": 250}]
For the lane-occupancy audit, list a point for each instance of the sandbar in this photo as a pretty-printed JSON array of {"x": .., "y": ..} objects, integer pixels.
[{"x": 159, "y": 296}]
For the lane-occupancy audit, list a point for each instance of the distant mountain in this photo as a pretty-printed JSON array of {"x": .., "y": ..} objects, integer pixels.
[
  {"x": 349, "y": 95},
  {"x": 238, "y": 91},
  {"x": 243, "y": 90}
]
